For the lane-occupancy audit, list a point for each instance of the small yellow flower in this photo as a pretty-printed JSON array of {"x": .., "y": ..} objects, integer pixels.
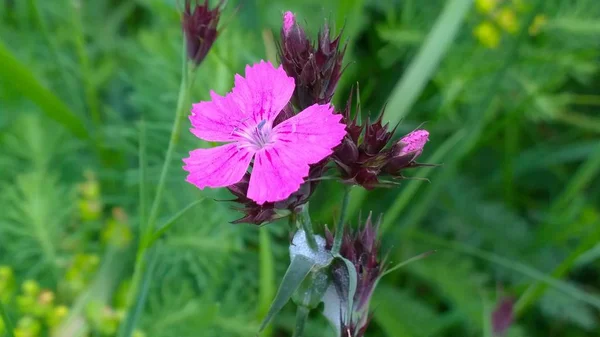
[
  {"x": 486, "y": 6},
  {"x": 487, "y": 34},
  {"x": 538, "y": 23},
  {"x": 507, "y": 19},
  {"x": 28, "y": 327},
  {"x": 57, "y": 315}
]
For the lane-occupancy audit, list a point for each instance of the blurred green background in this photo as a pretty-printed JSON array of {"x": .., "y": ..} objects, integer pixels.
[{"x": 510, "y": 91}]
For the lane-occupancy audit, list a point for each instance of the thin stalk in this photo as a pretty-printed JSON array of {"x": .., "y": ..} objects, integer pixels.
[
  {"x": 10, "y": 330},
  {"x": 147, "y": 228},
  {"x": 306, "y": 224},
  {"x": 89, "y": 87},
  {"x": 339, "y": 228},
  {"x": 301, "y": 318},
  {"x": 174, "y": 140}
]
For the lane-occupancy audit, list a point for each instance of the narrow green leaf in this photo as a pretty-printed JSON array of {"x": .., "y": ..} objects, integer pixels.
[
  {"x": 7, "y": 322},
  {"x": 404, "y": 263},
  {"x": 133, "y": 315},
  {"x": 352, "y": 281},
  {"x": 165, "y": 227},
  {"x": 25, "y": 81},
  {"x": 519, "y": 267},
  {"x": 295, "y": 274},
  {"x": 422, "y": 68},
  {"x": 266, "y": 290}
]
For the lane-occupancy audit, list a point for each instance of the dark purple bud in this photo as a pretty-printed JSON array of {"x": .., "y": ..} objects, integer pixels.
[
  {"x": 502, "y": 317},
  {"x": 200, "y": 28},
  {"x": 316, "y": 67},
  {"x": 361, "y": 248}
]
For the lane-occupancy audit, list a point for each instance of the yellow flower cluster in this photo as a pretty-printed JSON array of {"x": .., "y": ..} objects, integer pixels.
[{"x": 501, "y": 16}]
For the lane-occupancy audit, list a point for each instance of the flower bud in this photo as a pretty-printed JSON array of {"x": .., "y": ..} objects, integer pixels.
[
  {"x": 405, "y": 152},
  {"x": 366, "y": 154},
  {"x": 316, "y": 68},
  {"x": 361, "y": 248},
  {"x": 200, "y": 29},
  {"x": 502, "y": 316}
]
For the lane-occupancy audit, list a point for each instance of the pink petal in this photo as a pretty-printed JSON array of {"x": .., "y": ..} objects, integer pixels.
[
  {"x": 414, "y": 142},
  {"x": 288, "y": 22},
  {"x": 312, "y": 134},
  {"x": 218, "y": 166},
  {"x": 275, "y": 175},
  {"x": 304, "y": 139},
  {"x": 216, "y": 120},
  {"x": 264, "y": 92}
]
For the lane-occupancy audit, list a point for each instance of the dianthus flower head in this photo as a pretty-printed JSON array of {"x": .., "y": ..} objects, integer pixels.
[
  {"x": 316, "y": 67},
  {"x": 245, "y": 118},
  {"x": 366, "y": 153},
  {"x": 200, "y": 28}
]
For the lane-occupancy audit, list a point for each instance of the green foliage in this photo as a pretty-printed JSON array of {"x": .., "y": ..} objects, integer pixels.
[{"x": 513, "y": 205}]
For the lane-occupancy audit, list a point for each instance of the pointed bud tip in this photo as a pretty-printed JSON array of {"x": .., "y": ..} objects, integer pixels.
[
  {"x": 289, "y": 19},
  {"x": 414, "y": 142}
]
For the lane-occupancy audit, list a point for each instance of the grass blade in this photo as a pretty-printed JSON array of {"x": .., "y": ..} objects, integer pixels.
[
  {"x": 519, "y": 267},
  {"x": 10, "y": 330},
  {"x": 28, "y": 85},
  {"x": 422, "y": 68}
]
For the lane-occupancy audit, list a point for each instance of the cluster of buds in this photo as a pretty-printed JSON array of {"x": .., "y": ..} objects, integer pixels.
[
  {"x": 199, "y": 26},
  {"x": 316, "y": 68},
  {"x": 361, "y": 248},
  {"x": 367, "y": 152}
]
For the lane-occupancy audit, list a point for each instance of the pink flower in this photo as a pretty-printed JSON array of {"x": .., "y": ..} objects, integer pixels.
[{"x": 244, "y": 119}]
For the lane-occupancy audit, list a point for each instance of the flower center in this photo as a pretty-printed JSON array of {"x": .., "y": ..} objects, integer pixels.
[{"x": 256, "y": 137}]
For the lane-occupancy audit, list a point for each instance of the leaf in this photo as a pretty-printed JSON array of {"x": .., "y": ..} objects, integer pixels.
[
  {"x": 351, "y": 286},
  {"x": 27, "y": 83},
  {"x": 295, "y": 274},
  {"x": 133, "y": 315},
  {"x": 165, "y": 227},
  {"x": 422, "y": 68}
]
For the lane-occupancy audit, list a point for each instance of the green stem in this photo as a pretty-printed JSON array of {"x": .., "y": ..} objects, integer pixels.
[
  {"x": 10, "y": 330},
  {"x": 339, "y": 229},
  {"x": 147, "y": 228},
  {"x": 301, "y": 318},
  {"x": 91, "y": 92},
  {"x": 174, "y": 140},
  {"x": 306, "y": 224}
]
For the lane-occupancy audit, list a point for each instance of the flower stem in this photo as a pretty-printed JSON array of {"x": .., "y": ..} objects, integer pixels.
[
  {"x": 306, "y": 224},
  {"x": 301, "y": 318},
  {"x": 147, "y": 228},
  {"x": 339, "y": 229}
]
